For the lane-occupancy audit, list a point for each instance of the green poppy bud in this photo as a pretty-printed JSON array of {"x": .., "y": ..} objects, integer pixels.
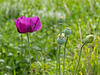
[
  {"x": 61, "y": 39},
  {"x": 89, "y": 38},
  {"x": 61, "y": 20},
  {"x": 67, "y": 31}
]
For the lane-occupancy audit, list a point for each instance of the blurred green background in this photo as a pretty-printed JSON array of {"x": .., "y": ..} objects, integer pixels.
[{"x": 82, "y": 16}]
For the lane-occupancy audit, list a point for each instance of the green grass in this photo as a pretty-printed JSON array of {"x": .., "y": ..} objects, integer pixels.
[{"x": 13, "y": 45}]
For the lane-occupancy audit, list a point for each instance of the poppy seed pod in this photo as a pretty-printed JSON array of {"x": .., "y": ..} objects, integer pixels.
[
  {"x": 89, "y": 38},
  {"x": 67, "y": 31},
  {"x": 61, "y": 20},
  {"x": 61, "y": 39}
]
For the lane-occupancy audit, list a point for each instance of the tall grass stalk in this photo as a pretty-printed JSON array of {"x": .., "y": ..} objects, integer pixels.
[
  {"x": 29, "y": 52},
  {"x": 42, "y": 61},
  {"x": 80, "y": 32}
]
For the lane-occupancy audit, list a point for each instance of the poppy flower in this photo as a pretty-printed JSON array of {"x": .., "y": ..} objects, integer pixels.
[{"x": 27, "y": 24}]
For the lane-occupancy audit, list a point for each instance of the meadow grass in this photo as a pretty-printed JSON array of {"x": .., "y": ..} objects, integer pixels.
[{"x": 82, "y": 16}]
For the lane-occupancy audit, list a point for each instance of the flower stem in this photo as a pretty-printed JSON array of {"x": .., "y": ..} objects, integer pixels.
[
  {"x": 98, "y": 62},
  {"x": 59, "y": 60},
  {"x": 60, "y": 49},
  {"x": 64, "y": 56},
  {"x": 60, "y": 29},
  {"x": 29, "y": 52},
  {"x": 57, "y": 63},
  {"x": 79, "y": 57}
]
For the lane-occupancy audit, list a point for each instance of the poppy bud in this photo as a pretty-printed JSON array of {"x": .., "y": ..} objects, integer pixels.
[
  {"x": 61, "y": 39},
  {"x": 61, "y": 20},
  {"x": 89, "y": 38},
  {"x": 67, "y": 31}
]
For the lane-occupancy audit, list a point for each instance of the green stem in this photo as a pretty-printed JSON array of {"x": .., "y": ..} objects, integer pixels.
[
  {"x": 79, "y": 57},
  {"x": 98, "y": 61},
  {"x": 60, "y": 49},
  {"x": 59, "y": 60},
  {"x": 64, "y": 56},
  {"x": 23, "y": 51},
  {"x": 60, "y": 29},
  {"x": 29, "y": 52}
]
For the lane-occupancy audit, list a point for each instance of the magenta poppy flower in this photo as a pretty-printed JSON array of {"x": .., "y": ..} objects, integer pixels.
[{"x": 27, "y": 24}]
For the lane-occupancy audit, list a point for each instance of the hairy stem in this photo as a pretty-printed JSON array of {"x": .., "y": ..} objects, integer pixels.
[
  {"x": 59, "y": 60},
  {"x": 79, "y": 58},
  {"x": 60, "y": 29},
  {"x": 29, "y": 52},
  {"x": 64, "y": 56}
]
